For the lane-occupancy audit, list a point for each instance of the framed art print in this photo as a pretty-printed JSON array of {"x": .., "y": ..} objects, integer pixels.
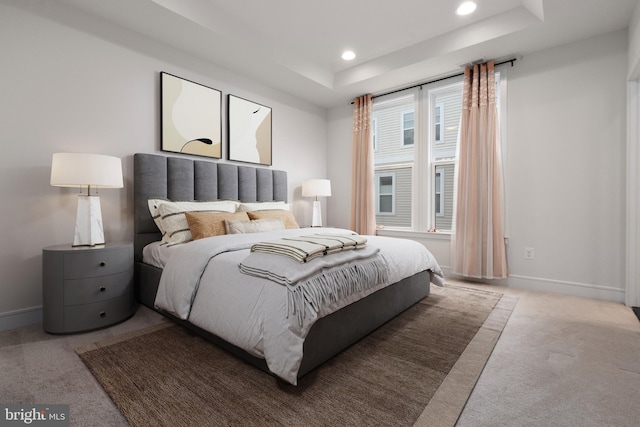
[
  {"x": 249, "y": 131},
  {"x": 191, "y": 122}
]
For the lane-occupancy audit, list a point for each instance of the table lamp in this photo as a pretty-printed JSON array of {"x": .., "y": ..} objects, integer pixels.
[
  {"x": 87, "y": 170},
  {"x": 316, "y": 188}
]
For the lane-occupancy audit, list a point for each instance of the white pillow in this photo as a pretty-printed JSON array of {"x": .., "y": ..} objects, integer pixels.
[
  {"x": 174, "y": 223},
  {"x": 154, "y": 210},
  {"x": 263, "y": 206},
  {"x": 253, "y": 226}
]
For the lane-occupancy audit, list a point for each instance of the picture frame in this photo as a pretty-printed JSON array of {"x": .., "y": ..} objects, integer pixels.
[
  {"x": 249, "y": 131},
  {"x": 190, "y": 117}
]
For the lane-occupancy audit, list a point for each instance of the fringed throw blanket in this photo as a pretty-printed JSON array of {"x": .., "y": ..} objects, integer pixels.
[
  {"x": 309, "y": 247},
  {"x": 322, "y": 280}
]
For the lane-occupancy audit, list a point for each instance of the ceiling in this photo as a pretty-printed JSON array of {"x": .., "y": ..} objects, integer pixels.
[{"x": 295, "y": 45}]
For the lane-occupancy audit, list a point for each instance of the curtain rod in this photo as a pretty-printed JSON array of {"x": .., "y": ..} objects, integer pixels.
[{"x": 506, "y": 61}]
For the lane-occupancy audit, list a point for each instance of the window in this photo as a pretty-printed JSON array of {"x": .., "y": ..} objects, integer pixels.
[
  {"x": 374, "y": 131},
  {"x": 439, "y": 193},
  {"x": 394, "y": 159},
  {"x": 385, "y": 194},
  {"x": 437, "y": 124},
  {"x": 416, "y": 142},
  {"x": 407, "y": 128}
]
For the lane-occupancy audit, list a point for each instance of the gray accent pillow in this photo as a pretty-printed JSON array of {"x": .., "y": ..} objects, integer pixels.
[{"x": 253, "y": 226}]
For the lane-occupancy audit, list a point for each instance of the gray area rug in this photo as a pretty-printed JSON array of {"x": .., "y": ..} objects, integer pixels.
[{"x": 418, "y": 368}]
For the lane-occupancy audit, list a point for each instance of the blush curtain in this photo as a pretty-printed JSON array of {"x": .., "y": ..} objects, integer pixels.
[
  {"x": 363, "y": 217},
  {"x": 477, "y": 241}
]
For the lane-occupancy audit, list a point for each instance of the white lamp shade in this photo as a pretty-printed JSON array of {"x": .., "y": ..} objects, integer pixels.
[
  {"x": 87, "y": 170},
  {"x": 81, "y": 169},
  {"x": 316, "y": 188}
]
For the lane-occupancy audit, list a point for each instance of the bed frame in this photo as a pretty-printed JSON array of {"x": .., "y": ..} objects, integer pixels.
[{"x": 177, "y": 178}]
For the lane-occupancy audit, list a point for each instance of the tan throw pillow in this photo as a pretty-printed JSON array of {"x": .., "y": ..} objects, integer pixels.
[
  {"x": 253, "y": 226},
  {"x": 174, "y": 223},
  {"x": 286, "y": 217},
  {"x": 208, "y": 224}
]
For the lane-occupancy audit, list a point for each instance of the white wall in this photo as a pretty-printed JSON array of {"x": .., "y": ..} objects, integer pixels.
[
  {"x": 565, "y": 174},
  {"x": 72, "y": 83},
  {"x": 566, "y": 167},
  {"x": 632, "y": 271}
]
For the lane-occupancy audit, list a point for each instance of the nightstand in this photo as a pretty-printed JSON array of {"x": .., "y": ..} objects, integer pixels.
[{"x": 87, "y": 288}]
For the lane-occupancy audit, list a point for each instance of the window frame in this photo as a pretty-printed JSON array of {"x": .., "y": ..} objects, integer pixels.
[
  {"x": 403, "y": 129},
  {"x": 377, "y": 177},
  {"x": 438, "y": 105}
]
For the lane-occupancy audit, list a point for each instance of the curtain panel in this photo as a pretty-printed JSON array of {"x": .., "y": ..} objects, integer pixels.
[
  {"x": 477, "y": 240},
  {"x": 363, "y": 215}
]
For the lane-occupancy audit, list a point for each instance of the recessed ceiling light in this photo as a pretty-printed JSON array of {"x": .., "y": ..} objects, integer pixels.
[
  {"x": 466, "y": 8},
  {"x": 348, "y": 55}
]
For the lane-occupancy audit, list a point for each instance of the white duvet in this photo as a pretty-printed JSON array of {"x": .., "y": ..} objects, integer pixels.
[{"x": 201, "y": 283}]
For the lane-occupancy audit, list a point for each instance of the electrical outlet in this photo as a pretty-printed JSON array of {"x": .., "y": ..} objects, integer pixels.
[{"x": 529, "y": 253}]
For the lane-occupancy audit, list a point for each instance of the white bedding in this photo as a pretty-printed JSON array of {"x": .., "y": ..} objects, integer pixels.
[{"x": 251, "y": 312}]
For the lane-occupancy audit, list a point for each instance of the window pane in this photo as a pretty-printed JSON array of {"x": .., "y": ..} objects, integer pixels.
[
  {"x": 448, "y": 106},
  {"x": 438, "y": 124},
  {"x": 408, "y": 120},
  {"x": 408, "y": 137},
  {"x": 386, "y": 204},
  {"x": 386, "y": 184},
  {"x": 407, "y": 126},
  {"x": 394, "y": 159},
  {"x": 443, "y": 189}
]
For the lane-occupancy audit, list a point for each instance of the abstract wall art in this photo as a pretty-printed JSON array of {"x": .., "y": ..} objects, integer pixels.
[
  {"x": 249, "y": 131},
  {"x": 190, "y": 117}
]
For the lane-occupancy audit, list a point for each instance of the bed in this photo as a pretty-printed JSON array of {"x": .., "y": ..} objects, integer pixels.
[{"x": 314, "y": 337}]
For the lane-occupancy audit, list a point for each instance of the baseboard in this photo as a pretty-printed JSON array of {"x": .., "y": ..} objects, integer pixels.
[
  {"x": 584, "y": 290},
  {"x": 19, "y": 318}
]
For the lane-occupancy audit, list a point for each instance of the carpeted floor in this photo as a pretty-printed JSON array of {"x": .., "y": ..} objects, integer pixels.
[{"x": 409, "y": 370}]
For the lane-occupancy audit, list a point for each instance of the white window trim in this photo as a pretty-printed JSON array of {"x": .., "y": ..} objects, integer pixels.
[{"x": 393, "y": 193}]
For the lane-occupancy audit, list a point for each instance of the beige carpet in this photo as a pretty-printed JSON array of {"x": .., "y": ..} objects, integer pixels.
[{"x": 419, "y": 368}]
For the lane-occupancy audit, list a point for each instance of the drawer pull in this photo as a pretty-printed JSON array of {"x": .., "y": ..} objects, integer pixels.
[
  {"x": 103, "y": 314},
  {"x": 102, "y": 263},
  {"x": 102, "y": 289}
]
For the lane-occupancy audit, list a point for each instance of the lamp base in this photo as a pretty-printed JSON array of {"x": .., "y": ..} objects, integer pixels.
[
  {"x": 316, "y": 220},
  {"x": 89, "y": 230}
]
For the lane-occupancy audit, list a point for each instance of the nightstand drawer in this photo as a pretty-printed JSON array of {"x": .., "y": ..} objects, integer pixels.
[
  {"x": 92, "y": 263},
  {"x": 97, "y": 315},
  {"x": 95, "y": 289}
]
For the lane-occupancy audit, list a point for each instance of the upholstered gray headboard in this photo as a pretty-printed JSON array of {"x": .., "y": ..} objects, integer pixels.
[{"x": 177, "y": 178}]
